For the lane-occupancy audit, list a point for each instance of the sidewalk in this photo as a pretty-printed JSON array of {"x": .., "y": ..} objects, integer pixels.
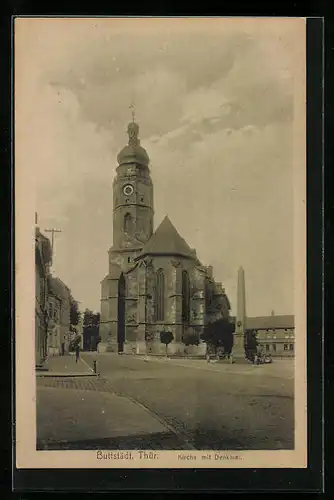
[
  {"x": 280, "y": 368},
  {"x": 66, "y": 366},
  {"x": 277, "y": 369},
  {"x": 87, "y": 419}
]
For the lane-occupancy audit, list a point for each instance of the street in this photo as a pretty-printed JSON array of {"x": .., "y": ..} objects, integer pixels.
[
  {"x": 165, "y": 404},
  {"x": 210, "y": 406}
]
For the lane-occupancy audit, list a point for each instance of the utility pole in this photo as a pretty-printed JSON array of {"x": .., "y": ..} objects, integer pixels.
[{"x": 52, "y": 231}]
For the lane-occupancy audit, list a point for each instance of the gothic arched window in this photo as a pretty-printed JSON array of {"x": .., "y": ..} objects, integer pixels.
[
  {"x": 127, "y": 223},
  {"x": 208, "y": 294},
  {"x": 185, "y": 298},
  {"x": 160, "y": 296}
]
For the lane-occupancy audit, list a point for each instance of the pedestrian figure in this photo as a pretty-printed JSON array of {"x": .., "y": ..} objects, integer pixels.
[{"x": 77, "y": 353}]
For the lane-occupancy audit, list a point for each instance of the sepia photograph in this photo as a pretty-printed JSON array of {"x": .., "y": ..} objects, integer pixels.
[{"x": 160, "y": 242}]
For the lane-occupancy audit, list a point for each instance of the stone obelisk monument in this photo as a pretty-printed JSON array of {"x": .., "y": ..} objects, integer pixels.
[{"x": 239, "y": 335}]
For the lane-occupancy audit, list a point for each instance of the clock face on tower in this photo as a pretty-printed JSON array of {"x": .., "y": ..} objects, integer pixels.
[{"x": 128, "y": 189}]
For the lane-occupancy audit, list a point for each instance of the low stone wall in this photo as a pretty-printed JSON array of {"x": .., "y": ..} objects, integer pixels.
[
  {"x": 156, "y": 348},
  {"x": 53, "y": 351}
]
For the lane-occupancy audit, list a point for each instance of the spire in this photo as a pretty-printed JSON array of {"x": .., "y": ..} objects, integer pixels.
[
  {"x": 132, "y": 106},
  {"x": 133, "y": 131},
  {"x": 133, "y": 128}
]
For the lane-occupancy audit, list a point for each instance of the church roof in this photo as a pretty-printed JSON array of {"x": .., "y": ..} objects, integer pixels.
[
  {"x": 58, "y": 288},
  {"x": 270, "y": 322},
  {"x": 167, "y": 241}
]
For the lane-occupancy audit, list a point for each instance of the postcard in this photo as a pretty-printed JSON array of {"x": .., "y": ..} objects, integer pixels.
[{"x": 160, "y": 242}]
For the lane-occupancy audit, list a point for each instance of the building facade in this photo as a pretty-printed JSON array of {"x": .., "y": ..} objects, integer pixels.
[
  {"x": 59, "y": 308},
  {"x": 155, "y": 281},
  {"x": 43, "y": 257},
  {"x": 276, "y": 334}
]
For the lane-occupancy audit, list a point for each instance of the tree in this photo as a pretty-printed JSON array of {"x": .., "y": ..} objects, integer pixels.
[
  {"x": 74, "y": 311},
  {"x": 91, "y": 329},
  {"x": 219, "y": 334},
  {"x": 74, "y": 342},
  {"x": 166, "y": 338},
  {"x": 88, "y": 318},
  {"x": 251, "y": 344}
]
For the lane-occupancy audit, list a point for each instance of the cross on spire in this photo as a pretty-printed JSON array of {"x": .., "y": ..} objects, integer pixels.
[{"x": 132, "y": 106}]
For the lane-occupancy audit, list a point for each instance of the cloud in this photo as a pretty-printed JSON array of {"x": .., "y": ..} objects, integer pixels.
[
  {"x": 171, "y": 81},
  {"x": 215, "y": 112}
]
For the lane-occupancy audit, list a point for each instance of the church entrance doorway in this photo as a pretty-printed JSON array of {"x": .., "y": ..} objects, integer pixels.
[{"x": 121, "y": 313}]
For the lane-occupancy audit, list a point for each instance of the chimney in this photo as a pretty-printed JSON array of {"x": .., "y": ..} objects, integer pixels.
[{"x": 37, "y": 231}]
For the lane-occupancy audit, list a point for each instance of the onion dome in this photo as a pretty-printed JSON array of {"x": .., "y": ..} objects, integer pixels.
[{"x": 133, "y": 152}]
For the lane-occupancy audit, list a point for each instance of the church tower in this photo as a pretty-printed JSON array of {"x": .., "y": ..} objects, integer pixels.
[
  {"x": 133, "y": 201},
  {"x": 132, "y": 228}
]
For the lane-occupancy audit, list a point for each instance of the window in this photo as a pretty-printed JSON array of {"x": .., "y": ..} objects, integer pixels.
[
  {"x": 142, "y": 199},
  {"x": 160, "y": 296},
  {"x": 185, "y": 298},
  {"x": 55, "y": 314},
  {"x": 291, "y": 347},
  {"x": 267, "y": 347},
  {"x": 127, "y": 223},
  {"x": 208, "y": 295},
  {"x": 285, "y": 347},
  {"x": 129, "y": 260},
  {"x": 274, "y": 347}
]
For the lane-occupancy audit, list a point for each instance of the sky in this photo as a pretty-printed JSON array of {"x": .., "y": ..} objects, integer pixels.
[{"x": 214, "y": 100}]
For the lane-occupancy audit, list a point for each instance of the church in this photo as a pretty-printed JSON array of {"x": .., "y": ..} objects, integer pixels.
[{"x": 155, "y": 281}]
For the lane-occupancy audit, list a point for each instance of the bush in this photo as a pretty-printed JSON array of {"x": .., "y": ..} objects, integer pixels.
[
  {"x": 166, "y": 338},
  {"x": 190, "y": 339},
  {"x": 219, "y": 334},
  {"x": 74, "y": 343}
]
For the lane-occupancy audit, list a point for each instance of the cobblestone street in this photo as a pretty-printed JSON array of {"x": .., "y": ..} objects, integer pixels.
[{"x": 171, "y": 404}]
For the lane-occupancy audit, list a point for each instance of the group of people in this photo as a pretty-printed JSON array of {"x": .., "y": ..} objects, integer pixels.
[{"x": 254, "y": 352}]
